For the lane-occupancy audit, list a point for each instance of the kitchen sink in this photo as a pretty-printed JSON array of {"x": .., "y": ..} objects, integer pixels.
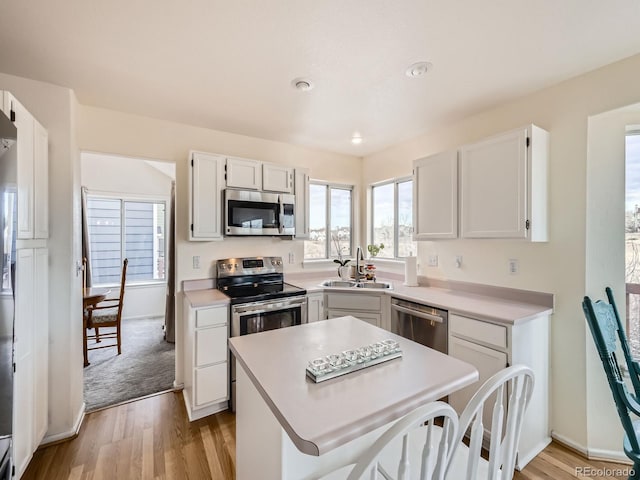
[
  {"x": 338, "y": 283},
  {"x": 354, "y": 284},
  {"x": 373, "y": 285}
]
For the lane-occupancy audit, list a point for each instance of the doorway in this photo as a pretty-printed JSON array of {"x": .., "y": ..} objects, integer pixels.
[{"x": 127, "y": 205}]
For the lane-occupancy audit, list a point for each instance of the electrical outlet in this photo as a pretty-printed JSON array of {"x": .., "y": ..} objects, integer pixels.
[
  {"x": 196, "y": 262},
  {"x": 292, "y": 258},
  {"x": 513, "y": 266},
  {"x": 458, "y": 261},
  {"x": 433, "y": 260}
]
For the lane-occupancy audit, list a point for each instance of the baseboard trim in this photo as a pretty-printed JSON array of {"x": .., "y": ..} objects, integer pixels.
[
  {"x": 69, "y": 434},
  {"x": 523, "y": 460},
  {"x": 140, "y": 317},
  {"x": 124, "y": 402},
  {"x": 592, "y": 453}
]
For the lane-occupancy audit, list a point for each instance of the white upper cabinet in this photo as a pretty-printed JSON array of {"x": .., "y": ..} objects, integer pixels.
[
  {"x": 503, "y": 186},
  {"x": 41, "y": 181},
  {"x": 206, "y": 183},
  {"x": 276, "y": 178},
  {"x": 302, "y": 202},
  {"x": 243, "y": 173},
  {"x": 33, "y": 174},
  {"x": 435, "y": 193}
]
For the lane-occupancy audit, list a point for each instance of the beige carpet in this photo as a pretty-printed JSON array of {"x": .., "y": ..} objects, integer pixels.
[{"x": 146, "y": 365}]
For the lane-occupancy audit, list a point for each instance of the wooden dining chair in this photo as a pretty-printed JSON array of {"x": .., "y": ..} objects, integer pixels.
[
  {"x": 606, "y": 329},
  {"x": 507, "y": 395},
  {"x": 419, "y": 445},
  {"x": 108, "y": 314}
]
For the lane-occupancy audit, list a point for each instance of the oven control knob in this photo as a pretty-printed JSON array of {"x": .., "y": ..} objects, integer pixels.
[
  {"x": 222, "y": 266},
  {"x": 230, "y": 266}
]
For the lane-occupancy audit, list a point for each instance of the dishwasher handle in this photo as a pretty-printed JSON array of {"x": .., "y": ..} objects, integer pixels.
[{"x": 418, "y": 313}]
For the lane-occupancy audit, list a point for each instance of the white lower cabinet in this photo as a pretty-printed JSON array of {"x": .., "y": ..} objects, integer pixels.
[
  {"x": 369, "y": 307},
  {"x": 211, "y": 384},
  {"x": 315, "y": 307},
  {"x": 206, "y": 386},
  {"x": 486, "y": 360},
  {"x": 490, "y": 347}
]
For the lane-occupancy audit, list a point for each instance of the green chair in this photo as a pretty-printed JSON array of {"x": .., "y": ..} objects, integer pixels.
[
  {"x": 606, "y": 330},
  {"x": 632, "y": 365}
]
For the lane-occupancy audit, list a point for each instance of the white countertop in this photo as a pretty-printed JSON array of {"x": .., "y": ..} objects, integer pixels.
[
  {"x": 321, "y": 417},
  {"x": 208, "y": 297},
  {"x": 482, "y": 307}
]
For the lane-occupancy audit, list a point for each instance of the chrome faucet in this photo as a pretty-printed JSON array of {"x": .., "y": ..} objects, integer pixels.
[{"x": 359, "y": 258}]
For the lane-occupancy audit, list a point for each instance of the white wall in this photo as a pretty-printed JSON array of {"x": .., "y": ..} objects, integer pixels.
[
  {"x": 559, "y": 266},
  {"x": 134, "y": 177},
  {"x": 55, "y": 109}
]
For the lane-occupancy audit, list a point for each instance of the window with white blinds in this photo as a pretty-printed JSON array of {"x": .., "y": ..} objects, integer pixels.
[{"x": 119, "y": 229}]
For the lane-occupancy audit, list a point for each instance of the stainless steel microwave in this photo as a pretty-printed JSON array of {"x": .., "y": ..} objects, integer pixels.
[{"x": 258, "y": 213}]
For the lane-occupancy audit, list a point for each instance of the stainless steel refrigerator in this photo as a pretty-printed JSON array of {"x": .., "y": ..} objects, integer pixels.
[{"x": 8, "y": 222}]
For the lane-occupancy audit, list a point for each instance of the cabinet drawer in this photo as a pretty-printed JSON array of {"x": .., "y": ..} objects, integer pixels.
[
  {"x": 484, "y": 332},
  {"x": 355, "y": 301},
  {"x": 212, "y": 384},
  {"x": 208, "y": 317},
  {"x": 211, "y": 345}
]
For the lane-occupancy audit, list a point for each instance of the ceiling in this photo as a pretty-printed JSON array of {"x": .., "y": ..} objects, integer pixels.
[{"x": 228, "y": 65}]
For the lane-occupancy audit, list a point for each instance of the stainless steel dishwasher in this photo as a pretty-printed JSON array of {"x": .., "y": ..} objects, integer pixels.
[{"x": 420, "y": 323}]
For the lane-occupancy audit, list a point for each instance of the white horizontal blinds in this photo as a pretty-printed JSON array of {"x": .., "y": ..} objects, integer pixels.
[
  {"x": 120, "y": 229},
  {"x": 139, "y": 240},
  {"x": 105, "y": 227}
]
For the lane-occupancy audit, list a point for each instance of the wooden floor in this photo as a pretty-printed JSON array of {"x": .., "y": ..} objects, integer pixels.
[{"x": 153, "y": 439}]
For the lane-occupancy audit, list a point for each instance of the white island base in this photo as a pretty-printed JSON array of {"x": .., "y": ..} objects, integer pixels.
[{"x": 265, "y": 451}]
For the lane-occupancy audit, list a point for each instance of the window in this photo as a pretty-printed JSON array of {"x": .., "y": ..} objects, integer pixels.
[
  {"x": 392, "y": 218},
  {"x": 120, "y": 229},
  {"x": 632, "y": 239},
  {"x": 330, "y": 210}
]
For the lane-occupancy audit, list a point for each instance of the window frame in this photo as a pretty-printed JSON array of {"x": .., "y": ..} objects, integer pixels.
[
  {"x": 395, "y": 181},
  {"x": 138, "y": 198},
  {"x": 338, "y": 186}
]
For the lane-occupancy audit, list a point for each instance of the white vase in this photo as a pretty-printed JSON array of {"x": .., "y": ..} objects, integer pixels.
[{"x": 343, "y": 272}]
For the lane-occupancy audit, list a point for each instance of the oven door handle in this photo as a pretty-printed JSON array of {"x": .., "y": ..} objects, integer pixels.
[
  {"x": 266, "y": 308},
  {"x": 417, "y": 313}
]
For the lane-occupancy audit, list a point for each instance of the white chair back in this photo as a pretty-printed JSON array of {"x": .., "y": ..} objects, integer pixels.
[
  {"x": 433, "y": 455},
  {"x": 516, "y": 384}
]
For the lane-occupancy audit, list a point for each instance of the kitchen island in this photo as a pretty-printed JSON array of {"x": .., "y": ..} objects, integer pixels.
[{"x": 288, "y": 427}]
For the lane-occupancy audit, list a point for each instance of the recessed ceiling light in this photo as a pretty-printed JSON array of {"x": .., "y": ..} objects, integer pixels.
[
  {"x": 418, "y": 69},
  {"x": 356, "y": 139},
  {"x": 302, "y": 84}
]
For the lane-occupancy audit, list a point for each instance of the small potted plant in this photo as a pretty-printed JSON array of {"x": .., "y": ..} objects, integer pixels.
[
  {"x": 370, "y": 269},
  {"x": 374, "y": 249},
  {"x": 343, "y": 269}
]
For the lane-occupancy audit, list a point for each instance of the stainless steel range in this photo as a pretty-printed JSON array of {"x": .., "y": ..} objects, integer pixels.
[{"x": 260, "y": 299}]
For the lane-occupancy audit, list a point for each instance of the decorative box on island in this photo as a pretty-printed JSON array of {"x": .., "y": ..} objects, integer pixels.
[{"x": 349, "y": 361}]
